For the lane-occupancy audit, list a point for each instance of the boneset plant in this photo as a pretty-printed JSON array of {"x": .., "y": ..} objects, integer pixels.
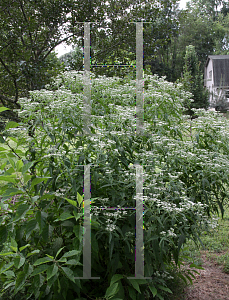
[{"x": 42, "y": 232}]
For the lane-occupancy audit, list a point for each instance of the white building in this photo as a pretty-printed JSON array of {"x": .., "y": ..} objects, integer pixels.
[{"x": 216, "y": 78}]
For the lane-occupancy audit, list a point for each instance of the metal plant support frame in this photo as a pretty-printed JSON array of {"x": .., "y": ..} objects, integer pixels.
[{"x": 139, "y": 248}]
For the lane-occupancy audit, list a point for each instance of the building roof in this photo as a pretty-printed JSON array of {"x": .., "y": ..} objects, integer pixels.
[{"x": 220, "y": 69}]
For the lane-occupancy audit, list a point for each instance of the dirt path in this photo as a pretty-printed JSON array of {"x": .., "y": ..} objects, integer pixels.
[{"x": 211, "y": 284}]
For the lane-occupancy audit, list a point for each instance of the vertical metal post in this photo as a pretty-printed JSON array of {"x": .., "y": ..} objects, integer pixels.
[
  {"x": 139, "y": 78},
  {"x": 87, "y": 81},
  {"x": 139, "y": 252},
  {"x": 87, "y": 225}
]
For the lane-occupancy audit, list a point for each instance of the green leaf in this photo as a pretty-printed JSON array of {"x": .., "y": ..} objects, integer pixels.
[
  {"x": 6, "y": 267},
  {"x": 22, "y": 248},
  {"x": 26, "y": 178},
  {"x": 11, "y": 192},
  {"x": 166, "y": 289},
  {"x": 196, "y": 266},
  {"x": 69, "y": 273},
  {"x": 9, "y": 274},
  {"x": 74, "y": 203},
  {"x": 33, "y": 252},
  {"x": 40, "y": 269},
  {"x": 11, "y": 124},
  {"x": 135, "y": 285},
  {"x": 132, "y": 293},
  {"x": 20, "y": 281},
  {"x": 64, "y": 216},
  {"x": 78, "y": 230},
  {"x": 3, "y": 236},
  {"x": 51, "y": 271},
  {"x": 79, "y": 198},
  {"x": 116, "y": 278},
  {"x": 153, "y": 290},
  {"x": 7, "y": 253},
  {"x": 73, "y": 262},
  {"x": 19, "y": 261},
  {"x": 38, "y": 180},
  {"x": 58, "y": 252},
  {"x": 77, "y": 215},
  {"x": 64, "y": 260},
  {"x": 71, "y": 253},
  {"x": 13, "y": 245},
  {"x": 19, "y": 165},
  {"x": 3, "y": 108},
  {"x": 42, "y": 260},
  {"x": 21, "y": 211},
  {"x": 9, "y": 178},
  {"x": 27, "y": 166},
  {"x": 31, "y": 225},
  {"x": 112, "y": 290},
  {"x": 41, "y": 218}
]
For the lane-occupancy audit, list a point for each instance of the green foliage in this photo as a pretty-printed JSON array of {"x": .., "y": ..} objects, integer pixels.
[
  {"x": 193, "y": 80},
  {"x": 185, "y": 177},
  {"x": 73, "y": 60}
]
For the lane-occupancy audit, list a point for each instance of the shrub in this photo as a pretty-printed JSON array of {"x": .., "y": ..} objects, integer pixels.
[{"x": 42, "y": 233}]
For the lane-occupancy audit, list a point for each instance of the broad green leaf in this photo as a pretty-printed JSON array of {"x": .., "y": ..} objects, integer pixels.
[
  {"x": 13, "y": 245},
  {"x": 41, "y": 217},
  {"x": 69, "y": 273},
  {"x": 135, "y": 285},
  {"x": 38, "y": 180},
  {"x": 71, "y": 253},
  {"x": 27, "y": 177},
  {"x": 64, "y": 260},
  {"x": 19, "y": 261},
  {"x": 73, "y": 262},
  {"x": 31, "y": 225},
  {"x": 21, "y": 211},
  {"x": 153, "y": 290},
  {"x": 22, "y": 248},
  {"x": 3, "y": 108},
  {"x": 6, "y": 267},
  {"x": 9, "y": 178},
  {"x": 11, "y": 192},
  {"x": 112, "y": 290},
  {"x": 27, "y": 166},
  {"x": 78, "y": 230},
  {"x": 11, "y": 124},
  {"x": 64, "y": 216},
  {"x": 79, "y": 198},
  {"x": 52, "y": 257},
  {"x": 9, "y": 274},
  {"x": 51, "y": 271},
  {"x": 40, "y": 269},
  {"x": 33, "y": 252},
  {"x": 42, "y": 260},
  {"x": 77, "y": 215},
  {"x": 7, "y": 253},
  {"x": 116, "y": 278},
  {"x": 19, "y": 165},
  {"x": 72, "y": 202},
  {"x": 132, "y": 293},
  {"x": 11, "y": 161}
]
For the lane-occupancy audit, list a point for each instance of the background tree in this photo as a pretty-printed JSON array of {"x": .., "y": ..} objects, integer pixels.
[{"x": 193, "y": 79}]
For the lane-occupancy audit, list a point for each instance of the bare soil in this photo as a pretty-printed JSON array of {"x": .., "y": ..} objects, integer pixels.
[{"x": 211, "y": 283}]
